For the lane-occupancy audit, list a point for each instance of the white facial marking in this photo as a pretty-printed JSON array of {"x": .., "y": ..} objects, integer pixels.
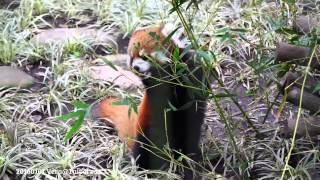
[
  {"x": 167, "y": 30},
  {"x": 140, "y": 65},
  {"x": 141, "y": 52}
]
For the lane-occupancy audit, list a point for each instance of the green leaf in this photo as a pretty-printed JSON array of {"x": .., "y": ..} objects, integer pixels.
[
  {"x": 317, "y": 88},
  {"x": 283, "y": 69},
  {"x": 290, "y": 1},
  {"x": 206, "y": 55},
  {"x": 75, "y": 127},
  {"x": 129, "y": 101},
  {"x": 250, "y": 92},
  {"x": 68, "y": 116},
  {"x": 80, "y": 105},
  {"x": 285, "y": 31},
  {"x": 134, "y": 107},
  {"x": 154, "y": 36},
  {"x": 77, "y": 54},
  {"x": 239, "y": 30},
  {"x": 176, "y": 55},
  {"x": 80, "y": 114},
  {"x": 181, "y": 68},
  {"x": 133, "y": 104}
]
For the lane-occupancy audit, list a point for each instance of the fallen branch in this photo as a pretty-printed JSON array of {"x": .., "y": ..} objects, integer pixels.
[
  {"x": 309, "y": 126},
  {"x": 304, "y": 24},
  {"x": 287, "y": 53},
  {"x": 294, "y": 79}
]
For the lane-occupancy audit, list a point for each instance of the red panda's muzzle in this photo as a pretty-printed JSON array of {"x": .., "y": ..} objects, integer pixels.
[
  {"x": 150, "y": 64},
  {"x": 140, "y": 65}
]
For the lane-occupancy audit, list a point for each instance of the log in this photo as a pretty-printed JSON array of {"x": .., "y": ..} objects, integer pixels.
[
  {"x": 307, "y": 126},
  {"x": 287, "y": 53},
  {"x": 309, "y": 101},
  {"x": 304, "y": 24},
  {"x": 294, "y": 79}
]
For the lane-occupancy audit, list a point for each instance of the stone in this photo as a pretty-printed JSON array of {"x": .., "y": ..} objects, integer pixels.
[
  {"x": 122, "y": 78},
  {"x": 12, "y": 77},
  {"x": 61, "y": 35},
  {"x": 116, "y": 59}
]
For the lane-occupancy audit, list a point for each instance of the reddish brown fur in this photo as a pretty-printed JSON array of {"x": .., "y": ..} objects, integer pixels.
[
  {"x": 128, "y": 127},
  {"x": 117, "y": 115},
  {"x": 151, "y": 125},
  {"x": 141, "y": 39}
]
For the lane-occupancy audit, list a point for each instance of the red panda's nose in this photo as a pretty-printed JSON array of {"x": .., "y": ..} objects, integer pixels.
[{"x": 137, "y": 68}]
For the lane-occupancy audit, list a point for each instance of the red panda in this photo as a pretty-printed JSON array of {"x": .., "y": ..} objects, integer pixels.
[{"x": 170, "y": 114}]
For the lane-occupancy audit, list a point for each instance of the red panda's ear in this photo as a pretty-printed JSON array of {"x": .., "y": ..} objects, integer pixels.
[{"x": 177, "y": 37}]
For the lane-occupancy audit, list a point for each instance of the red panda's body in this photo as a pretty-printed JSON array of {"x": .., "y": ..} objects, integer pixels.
[{"x": 158, "y": 125}]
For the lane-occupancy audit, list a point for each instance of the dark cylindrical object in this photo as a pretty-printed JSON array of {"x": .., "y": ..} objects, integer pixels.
[
  {"x": 296, "y": 55},
  {"x": 309, "y": 101},
  {"x": 306, "y": 127},
  {"x": 294, "y": 79},
  {"x": 304, "y": 24}
]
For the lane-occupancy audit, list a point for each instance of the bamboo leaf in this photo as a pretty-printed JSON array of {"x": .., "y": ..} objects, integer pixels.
[
  {"x": 68, "y": 116},
  {"x": 75, "y": 127},
  {"x": 80, "y": 105}
]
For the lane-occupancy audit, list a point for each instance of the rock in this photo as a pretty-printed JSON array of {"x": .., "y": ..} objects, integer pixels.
[
  {"x": 122, "y": 42},
  {"x": 12, "y": 77},
  {"x": 61, "y": 35},
  {"x": 116, "y": 59},
  {"x": 120, "y": 77}
]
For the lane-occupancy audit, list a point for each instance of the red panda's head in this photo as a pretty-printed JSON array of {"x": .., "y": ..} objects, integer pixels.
[{"x": 149, "y": 47}]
